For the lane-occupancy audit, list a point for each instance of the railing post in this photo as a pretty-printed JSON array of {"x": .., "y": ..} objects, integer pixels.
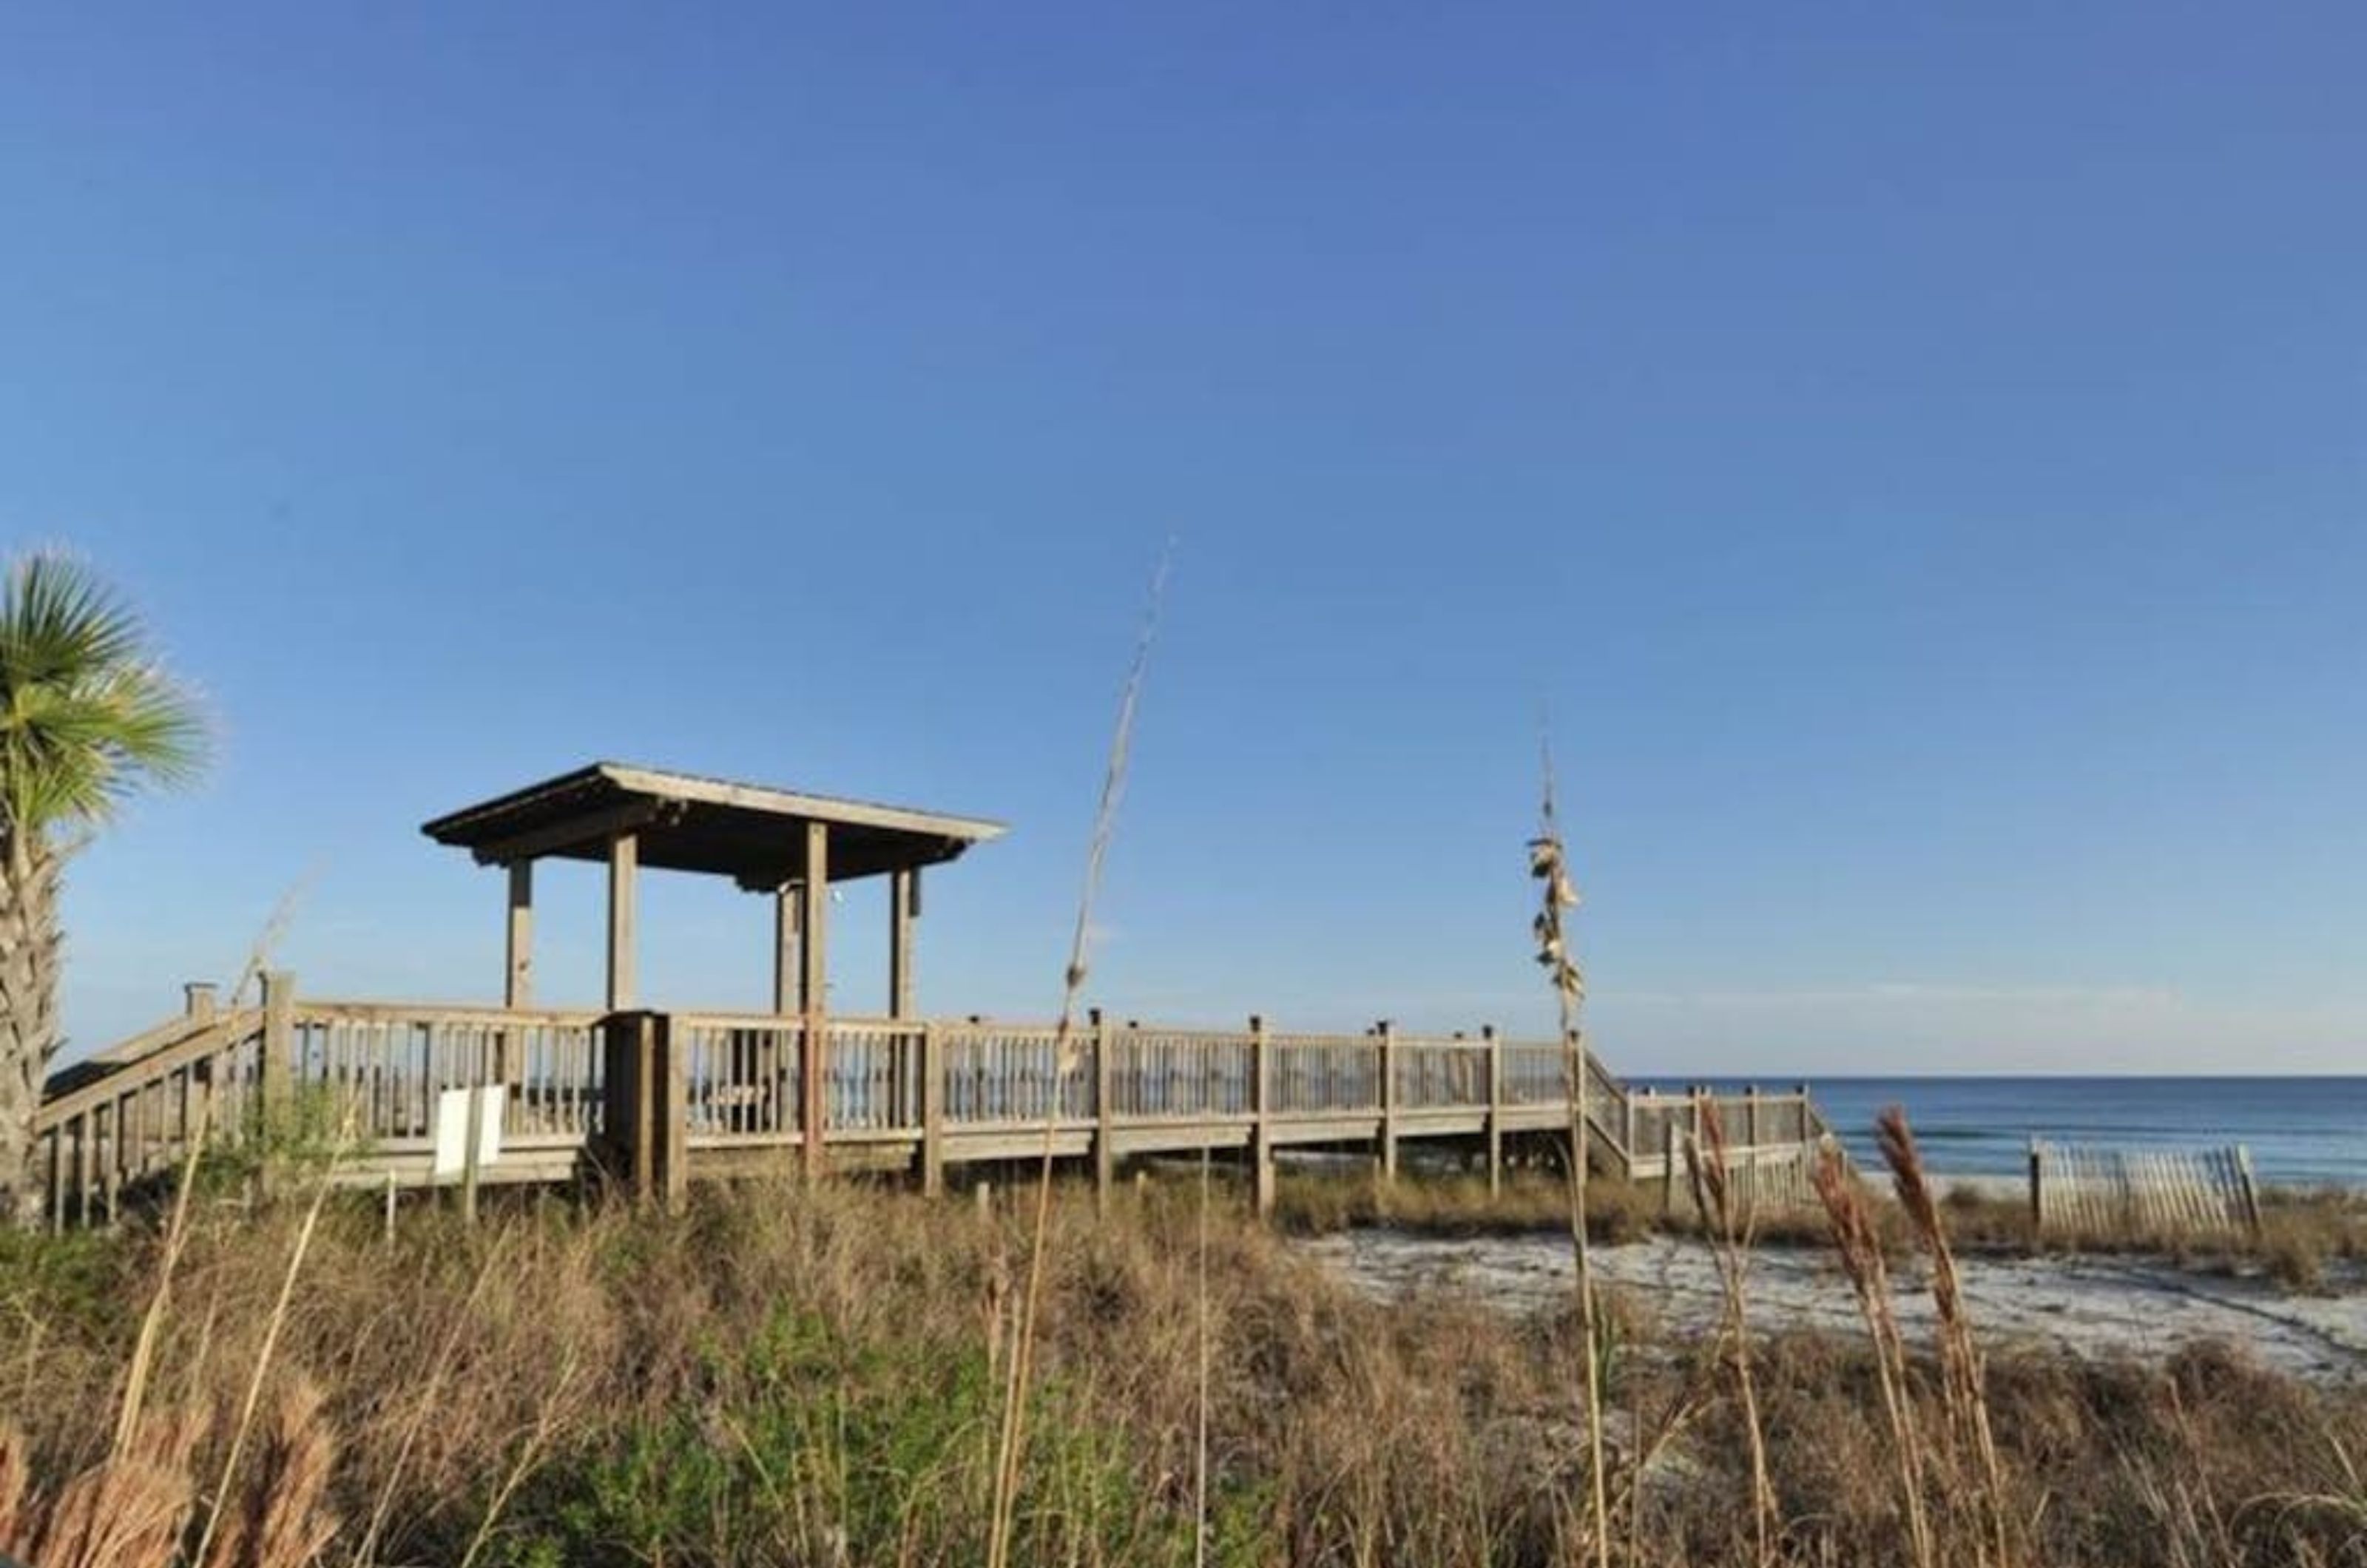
[
  {"x": 670, "y": 1115},
  {"x": 1668, "y": 1166},
  {"x": 199, "y": 996},
  {"x": 1495, "y": 1110},
  {"x": 276, "y": 1068},
  {"x": 1751, "y": 1113},
  {"x": 932, "y": 1111},
  {"x": 1104, "y": 1113},
  {"x": 813, "y": 988},
  {"x": 813, "y": 1061},
  {"x": 1389, "y": 1050},
  {"x": 630, "y": 1153},
  {"x": 1262, "y": 1106}
]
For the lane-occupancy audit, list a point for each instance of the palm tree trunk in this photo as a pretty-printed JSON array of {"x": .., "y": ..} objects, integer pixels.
[{"x": 28, "y": 1016}]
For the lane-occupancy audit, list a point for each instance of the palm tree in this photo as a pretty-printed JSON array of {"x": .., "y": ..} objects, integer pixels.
[{"x": 87, "y": 718}]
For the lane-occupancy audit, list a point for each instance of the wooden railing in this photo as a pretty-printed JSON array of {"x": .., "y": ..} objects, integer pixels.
[
  {"x": 384, "y": 1066},
  {"x": 363, "y": 1073},
  {"x": 104, "y": 1134},
  {"x": 715, "y": 1083},
  {"x": 1178, "y": 1073},
  {"x": 1659, "y": 1121}
]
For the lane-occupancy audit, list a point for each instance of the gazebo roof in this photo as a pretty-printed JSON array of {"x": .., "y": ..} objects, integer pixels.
[{"x": 752, "y": 833}]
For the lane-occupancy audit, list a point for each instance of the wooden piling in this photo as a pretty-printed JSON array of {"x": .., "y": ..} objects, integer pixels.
[
  {"x": 1262, "y": 1107},
  {"x": 1104, "y": 1111},
  {"x": 1495, "y": 1112}
]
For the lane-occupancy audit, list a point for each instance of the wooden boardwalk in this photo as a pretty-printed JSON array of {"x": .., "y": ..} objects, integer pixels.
[{"x": 656, "y": 1100}]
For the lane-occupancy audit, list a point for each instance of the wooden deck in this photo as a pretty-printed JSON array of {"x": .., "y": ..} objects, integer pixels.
[{"x": 657, "y": 1099}]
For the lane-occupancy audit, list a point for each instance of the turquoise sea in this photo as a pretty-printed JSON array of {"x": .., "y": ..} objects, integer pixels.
[{"x": 2303, "y": 1132}]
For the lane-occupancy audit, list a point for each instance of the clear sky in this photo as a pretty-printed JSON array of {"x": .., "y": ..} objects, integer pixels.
[{"x": 1920, "y": 460}]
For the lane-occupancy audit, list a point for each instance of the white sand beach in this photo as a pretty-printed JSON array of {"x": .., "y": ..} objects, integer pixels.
[{"x": 2092, "y": 1306}]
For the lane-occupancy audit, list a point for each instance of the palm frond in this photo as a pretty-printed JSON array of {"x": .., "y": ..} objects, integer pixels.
[{"x": 86, "y": 716}]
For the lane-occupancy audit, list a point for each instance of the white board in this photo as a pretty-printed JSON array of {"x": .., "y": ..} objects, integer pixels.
[{"x": 452, "y": 1129}]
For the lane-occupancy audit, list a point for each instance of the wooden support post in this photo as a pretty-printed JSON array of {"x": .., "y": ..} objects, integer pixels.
[
  {"x": 1104, "y": 1111},
  {"x": 904, "y": 910},
  {"x": 644, "y": 1118},
  {"x": 518, "y": 985},
  {"x": 628, "y": 1102},
  {"x": 2037, "y": 1189},
  {"x": 813, "y": 988},
  {"x": 932, "y": 1111},
  {"x": 274, "y": 1064},
  {"x": 1388, "y": 1052},
  {"x": 1261, "y": 1105},
  {"x": 1751, "y": 1114},
  {"x": 199, "y": 996},
  {"x": 788, "y": 972},
  {"x": 1668, "y": 1169},
  {"x": 624, "y": 868},
  {"x": 670, "y": 1118},
  {"x": 2251, "y": 1190},
  {"x": 1495, "y": 1111},
  {"x": 788, "y": 912}
]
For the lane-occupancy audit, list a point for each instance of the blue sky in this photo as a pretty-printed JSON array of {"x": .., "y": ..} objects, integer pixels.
[{"x": 1918, "y": 460}]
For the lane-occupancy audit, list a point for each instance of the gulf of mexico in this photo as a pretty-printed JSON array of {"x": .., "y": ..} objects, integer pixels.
[{"x": 2303, "y": 1132}]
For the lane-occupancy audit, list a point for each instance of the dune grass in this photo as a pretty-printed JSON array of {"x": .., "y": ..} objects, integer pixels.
[{"x": 783, "y": 1374}]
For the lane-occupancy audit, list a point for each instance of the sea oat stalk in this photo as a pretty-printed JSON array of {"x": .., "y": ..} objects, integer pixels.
[
  {"x": 1550, "y": 865},
  {"x": 1012, "y": 1446},
  {"x": 1964, "y": 1385},
  {"x": 1859, "y": 1247}
]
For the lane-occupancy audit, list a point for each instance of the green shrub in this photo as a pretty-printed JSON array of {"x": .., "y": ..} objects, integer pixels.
[{"x": 804, "y": 1446}]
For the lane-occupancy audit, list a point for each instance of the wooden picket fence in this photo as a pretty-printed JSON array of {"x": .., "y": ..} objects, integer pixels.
[{"x": 2082, "y": 1190}]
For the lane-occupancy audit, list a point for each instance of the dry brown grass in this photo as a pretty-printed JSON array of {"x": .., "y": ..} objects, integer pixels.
[
  {"x": 1319, "y": 1202},
  {"x": 792, "y": 1375}
]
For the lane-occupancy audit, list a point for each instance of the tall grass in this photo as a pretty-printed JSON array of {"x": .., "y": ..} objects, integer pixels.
[
  {"x": 1858, "y": 1245},
  {"x": 783, "y": 1374},
  {"x": 1730, "y": 1240}
]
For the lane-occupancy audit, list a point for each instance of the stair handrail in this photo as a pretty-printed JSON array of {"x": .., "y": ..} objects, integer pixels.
[{"x": 210, "y": 1037}]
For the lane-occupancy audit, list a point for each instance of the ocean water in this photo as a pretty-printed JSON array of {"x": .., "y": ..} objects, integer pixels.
[{"x": 2301, "y": 1131}]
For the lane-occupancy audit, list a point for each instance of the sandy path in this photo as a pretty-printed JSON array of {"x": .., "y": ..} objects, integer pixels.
[{"x": 2090, "y": 1306}]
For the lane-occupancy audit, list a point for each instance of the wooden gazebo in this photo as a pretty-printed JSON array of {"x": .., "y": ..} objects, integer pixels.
[
  {"x": 653, "y": 1093},
  {"x": 784, "y": 843}
]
